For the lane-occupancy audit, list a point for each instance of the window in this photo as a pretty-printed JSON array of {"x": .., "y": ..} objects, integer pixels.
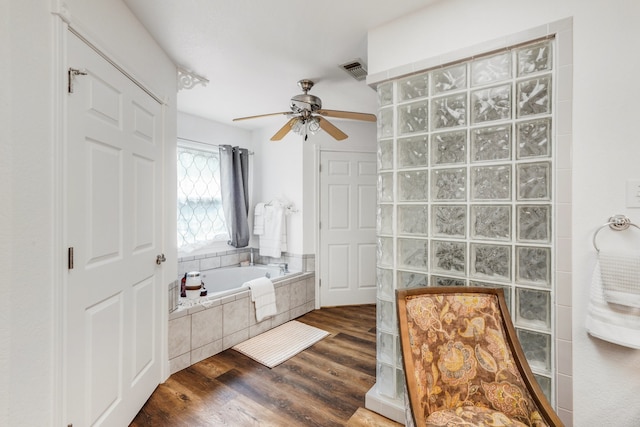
[{"x": 200, "y": 214}]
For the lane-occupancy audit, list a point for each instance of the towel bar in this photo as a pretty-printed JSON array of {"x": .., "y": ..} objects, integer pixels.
[{"x": 617, "y": 223}]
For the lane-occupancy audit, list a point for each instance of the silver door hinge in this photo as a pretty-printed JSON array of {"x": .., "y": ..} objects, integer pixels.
[
  {"x": 70, "y": 258},
  {"x": 71, "y": 75}
]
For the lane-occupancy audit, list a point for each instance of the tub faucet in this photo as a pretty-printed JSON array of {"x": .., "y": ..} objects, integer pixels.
[
  {"x": 284, "y": 268},
  {"x": 251, "y": 256}
]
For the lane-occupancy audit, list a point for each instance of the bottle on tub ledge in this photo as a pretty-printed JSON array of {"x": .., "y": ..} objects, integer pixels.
[{"x": 192, "y": 286}]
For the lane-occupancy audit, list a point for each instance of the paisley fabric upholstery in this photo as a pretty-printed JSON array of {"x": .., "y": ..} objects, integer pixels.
[
  {"x": 464, "y": 370},
  {"x": 476, "y": 416}
]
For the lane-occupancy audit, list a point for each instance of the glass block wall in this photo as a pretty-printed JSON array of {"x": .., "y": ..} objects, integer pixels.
[{"x": 465, "y": 164}]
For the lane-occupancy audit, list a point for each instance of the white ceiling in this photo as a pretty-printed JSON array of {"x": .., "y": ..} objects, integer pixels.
[{"x": 253, "y": 52}]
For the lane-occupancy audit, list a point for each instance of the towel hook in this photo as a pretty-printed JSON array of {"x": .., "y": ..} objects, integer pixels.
[{"x": 616, "y": 223}]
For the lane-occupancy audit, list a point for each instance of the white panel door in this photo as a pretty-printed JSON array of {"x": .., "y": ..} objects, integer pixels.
[
  {"x": 347, "y": 228},
  {"x": 113, "y": 296}
]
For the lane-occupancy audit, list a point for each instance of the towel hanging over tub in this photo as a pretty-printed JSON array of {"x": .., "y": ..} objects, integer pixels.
[
  {"x": 263, "y": 296},
  {"x": 607, "y": 319}
]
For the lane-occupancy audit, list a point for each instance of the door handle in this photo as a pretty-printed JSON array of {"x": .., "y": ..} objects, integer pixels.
[{"x": 160, "y": 259}]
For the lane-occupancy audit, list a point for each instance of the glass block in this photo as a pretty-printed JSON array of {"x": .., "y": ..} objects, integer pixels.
[
  {"x": 449, "y": 184},
  {"x": 491, "y": 222},
  {"x": 385, "y": 251},
  {"x": 545, "y": 385},
  {"x": 385, "y": 123},
  {"x": 385, "y": 282},
  {"x": 534, "y": 138},
  {"x": 413, "y": 185},
  {"x": 413, "y": 118},
  {"x": 413, "y": 151},
  {"x": 505, "y": 288},
  {"x": 408, "y": 279},
  {"x": 413, "y": 253},
  {"x": 385, "y": 382},
  {"x": 491, "y": 143},
  {"x": 400, "y": 383},
  {"x": 399, "y": 361},
  {"x": 384, "y": 219},
  {"x": 491, "y": 183},
  {"x": 491, "y": 104},
  {"x": 385, "y": 94},
  {"x": 448, "y": 79},
  {"x": 534, "y": 181},
  {"x": 413, "y": 219},
  {"x": 492, "y": 261},
  {"x": 413, "y": 87},
  {"x": 533, "y": 308},
  {"x": 533, "y": 265},
  {"x": 385, "y": 347},
  {"x": 386, "y": 316},
  {"x": 449, "y": 220},
  {"x": 537, "y": 348},
  {"x": 447, "y": 281},
  {"x": 491, "y": 69},
  {"x": 449, "y": 111},
  {"x": 534, "y": 96},
  {"x": 385, "y": 187},
  {"x": 534, "y": 223},
  {"x": 385, "y": 154},
  {"x": 449, "y": 257},
  {"x": 534, "y": 58},
  {"x": 449, "y": 148}
]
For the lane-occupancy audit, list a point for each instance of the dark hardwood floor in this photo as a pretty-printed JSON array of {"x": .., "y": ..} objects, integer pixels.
[{"x": 324, "y": 385}]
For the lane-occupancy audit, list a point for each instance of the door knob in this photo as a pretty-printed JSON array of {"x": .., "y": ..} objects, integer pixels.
[{"x": 160, "y": 259}]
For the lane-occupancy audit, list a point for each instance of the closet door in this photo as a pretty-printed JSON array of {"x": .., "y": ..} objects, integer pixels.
[{"x": 113, "y": 194}]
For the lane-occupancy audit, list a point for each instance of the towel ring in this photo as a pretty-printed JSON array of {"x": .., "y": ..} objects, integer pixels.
[{"x": 617, "y": 223}]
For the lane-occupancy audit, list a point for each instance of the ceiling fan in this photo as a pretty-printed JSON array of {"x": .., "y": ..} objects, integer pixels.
[{"x": 307, "y": 116}]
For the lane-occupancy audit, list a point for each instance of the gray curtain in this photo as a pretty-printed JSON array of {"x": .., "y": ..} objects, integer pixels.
[{"x": 234, "y": 172}]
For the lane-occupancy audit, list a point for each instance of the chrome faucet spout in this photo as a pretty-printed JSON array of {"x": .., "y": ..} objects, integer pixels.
[{"x": 284, "y": 268}]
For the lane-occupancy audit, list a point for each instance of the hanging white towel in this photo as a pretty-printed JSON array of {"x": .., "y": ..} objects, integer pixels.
[
  {"x": 620, "y": 277},
  {"x": 611, "y": 322},
  {"x": 258, "y": 219},
  {"x": 263, "y": 296},
  {"x": 271, "y": 241}
]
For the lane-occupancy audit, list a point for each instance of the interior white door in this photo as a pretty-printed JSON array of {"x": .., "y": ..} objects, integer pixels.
[
  {"x": 347, "y": 228},
  {"x": 113, "y": 193}
]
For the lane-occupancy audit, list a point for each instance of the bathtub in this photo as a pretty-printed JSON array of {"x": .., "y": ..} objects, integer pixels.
[{"x": 222, "y": 282}]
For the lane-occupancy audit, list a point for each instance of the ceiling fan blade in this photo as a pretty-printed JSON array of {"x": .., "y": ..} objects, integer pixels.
[
  {"x": 348, "y": 115},
  {"x": 284, "y": 129},
  {"x": 331, "y": 129},
  {"x": 261, "y": 115}
]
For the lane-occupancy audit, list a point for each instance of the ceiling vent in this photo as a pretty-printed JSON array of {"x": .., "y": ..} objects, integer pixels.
[{"x": 356, "y": 69}]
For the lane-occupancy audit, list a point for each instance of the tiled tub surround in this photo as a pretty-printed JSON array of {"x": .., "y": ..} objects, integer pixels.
[
  {"x": 202, "y": 330},
  {"x": 230, "y": 258}
]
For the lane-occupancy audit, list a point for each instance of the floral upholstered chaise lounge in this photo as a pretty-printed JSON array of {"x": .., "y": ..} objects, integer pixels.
[{"x": 463, "y": 363}]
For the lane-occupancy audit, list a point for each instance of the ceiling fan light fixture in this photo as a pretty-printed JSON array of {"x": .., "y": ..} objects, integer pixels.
[{"x": 306, "y": 127}]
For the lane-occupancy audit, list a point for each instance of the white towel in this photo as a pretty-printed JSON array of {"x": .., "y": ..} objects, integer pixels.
[
  {"x": 258, "y": 219},
  {"x": 620, "y": 277},
  {"x": 611, "y": 322},
  {"x": 263, "y": 296},
  {"x": 274, "y": 237}
]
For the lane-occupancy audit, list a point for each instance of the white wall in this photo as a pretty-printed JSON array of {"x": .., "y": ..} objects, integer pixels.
[
  {"x": 29, "y": 154},
  {"x": 606, "y": 378}
]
